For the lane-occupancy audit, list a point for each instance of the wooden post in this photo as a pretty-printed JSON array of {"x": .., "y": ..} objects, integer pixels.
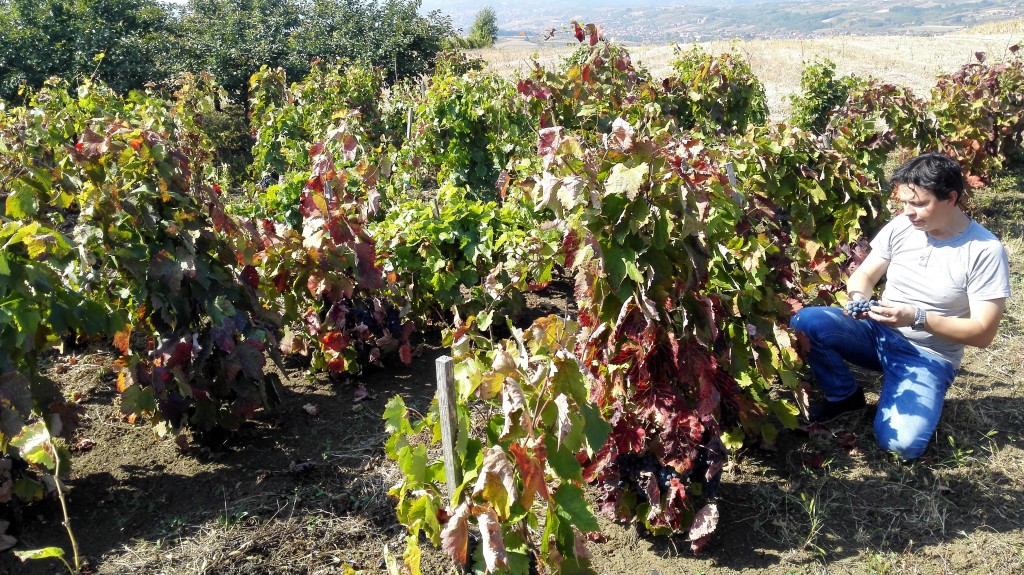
[
  {"x": 445, "y": 367},
  {"x": 408, "y": 125},
  {"x": 730, "y": 171}
]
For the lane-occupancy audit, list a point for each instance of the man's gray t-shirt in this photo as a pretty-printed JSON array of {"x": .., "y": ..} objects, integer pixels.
[{"x": 941, "y": 276}]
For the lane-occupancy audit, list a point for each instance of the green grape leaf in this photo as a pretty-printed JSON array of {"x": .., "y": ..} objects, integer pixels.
[
  {"x": 138, "y": 400},
  {"x": 626, "y": 181},
  {"x": 394, "y": 415},
  {"x": 44, "y": 553},
  {"x": 572, "y": 508},
  {"x": 595, "y": 427},
  {"x": 562, "y": 461}
]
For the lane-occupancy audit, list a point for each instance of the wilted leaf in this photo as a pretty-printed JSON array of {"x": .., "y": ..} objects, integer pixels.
[
  {"x": 496, "y": 482},
  {"x": 491, "y": 542},
  {"x": 455, "y": 535},
  {"x": 84, "y": 444},
  {"x": 362, "y": 394},
  {"x": 512, "y": 400},
  {"x": 704, "y": 525},
  {"x": 621, "y": 137},
  {"x": 122, "y": 339},
  {"x": 532, "y": 472},
  {"x": 35, "y": 446}
]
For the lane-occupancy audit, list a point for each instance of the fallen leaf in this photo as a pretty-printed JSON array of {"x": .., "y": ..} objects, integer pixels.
[
  {"x": 814, "y": 460},
  {"x": 85, "y": 444},
  {"x": 362, "y": 394},
  {"x": 311, "y": 409}
]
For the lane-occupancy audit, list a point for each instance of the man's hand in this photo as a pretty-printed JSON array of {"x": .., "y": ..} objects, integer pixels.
[{"x": 892, "y": 314}]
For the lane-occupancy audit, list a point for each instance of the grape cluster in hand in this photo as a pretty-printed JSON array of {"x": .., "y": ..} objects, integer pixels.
[{"x": 859, "y": 307}]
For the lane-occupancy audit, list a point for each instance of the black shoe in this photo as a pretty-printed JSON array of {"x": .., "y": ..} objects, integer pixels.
[{"x": 826, "y": 410}]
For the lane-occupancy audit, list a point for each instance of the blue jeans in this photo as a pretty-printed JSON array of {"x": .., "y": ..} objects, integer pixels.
[{"x": 914, "y": 382}]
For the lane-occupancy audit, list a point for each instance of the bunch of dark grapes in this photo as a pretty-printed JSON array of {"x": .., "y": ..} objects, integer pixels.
[
  {"x": 376, "y": 318},
  {"x": 665, "y": 476},
  {"x": 858, "y": 308},
  {"x": 633, "y": 466}
]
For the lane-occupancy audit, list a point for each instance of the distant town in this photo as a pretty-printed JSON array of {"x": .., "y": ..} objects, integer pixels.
[{"x": 649, "y": 21}]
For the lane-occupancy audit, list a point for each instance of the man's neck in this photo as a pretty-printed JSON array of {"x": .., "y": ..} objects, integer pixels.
[{"x": 957, "y": 225}]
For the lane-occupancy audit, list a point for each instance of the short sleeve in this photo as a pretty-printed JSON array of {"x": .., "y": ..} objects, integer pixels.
[
  {"x": 990, "y": 275},
  {"x": 882, "y": 242}
]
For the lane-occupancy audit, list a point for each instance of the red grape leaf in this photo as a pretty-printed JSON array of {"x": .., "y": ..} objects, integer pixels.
[
  {"x": 491, "y": 541},
  {"x": 455, "y": 535},
  {"x": 369, "y": 275},
  {"x": 814, "y": 460},
  {"x": 548, "y": 142},
  {"x": 251, "y": 277},
  {"x": 578, "y": 31},
  {"x": 532, "y": 472}
]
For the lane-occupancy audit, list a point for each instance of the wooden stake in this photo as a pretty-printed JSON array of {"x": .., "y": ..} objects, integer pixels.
[
  {"x": 730, "y": 171},
  {"x": 445, "y": 367}
]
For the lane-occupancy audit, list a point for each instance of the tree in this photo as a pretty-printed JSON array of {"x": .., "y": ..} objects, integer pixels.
[
  {"x": 390, "y": 34},
  {"x": 121, "y": 42},
  {"x": 484, "y": 30},
  {"x": 232, "y": 39}
]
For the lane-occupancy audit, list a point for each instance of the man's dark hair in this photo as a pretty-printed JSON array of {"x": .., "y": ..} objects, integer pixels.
[{"x": 937, "y": 173}]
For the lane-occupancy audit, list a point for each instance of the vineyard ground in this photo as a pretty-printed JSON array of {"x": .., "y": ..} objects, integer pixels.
[{"x": 297, "y": 492}]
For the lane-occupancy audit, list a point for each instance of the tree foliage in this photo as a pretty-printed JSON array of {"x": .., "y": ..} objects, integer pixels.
[
  {"x": 484, "y": 30},
  {"x": 233, "y": 38},
  {"x": 129, "y": 43},
  {"x": 121, "y": 42}
]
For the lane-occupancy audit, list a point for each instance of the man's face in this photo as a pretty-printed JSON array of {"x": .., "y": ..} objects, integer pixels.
[{"x": 926, "y": 212}]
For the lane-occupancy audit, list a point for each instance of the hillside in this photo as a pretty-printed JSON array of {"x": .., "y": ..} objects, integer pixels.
[{"x": 912, "y": 61}]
